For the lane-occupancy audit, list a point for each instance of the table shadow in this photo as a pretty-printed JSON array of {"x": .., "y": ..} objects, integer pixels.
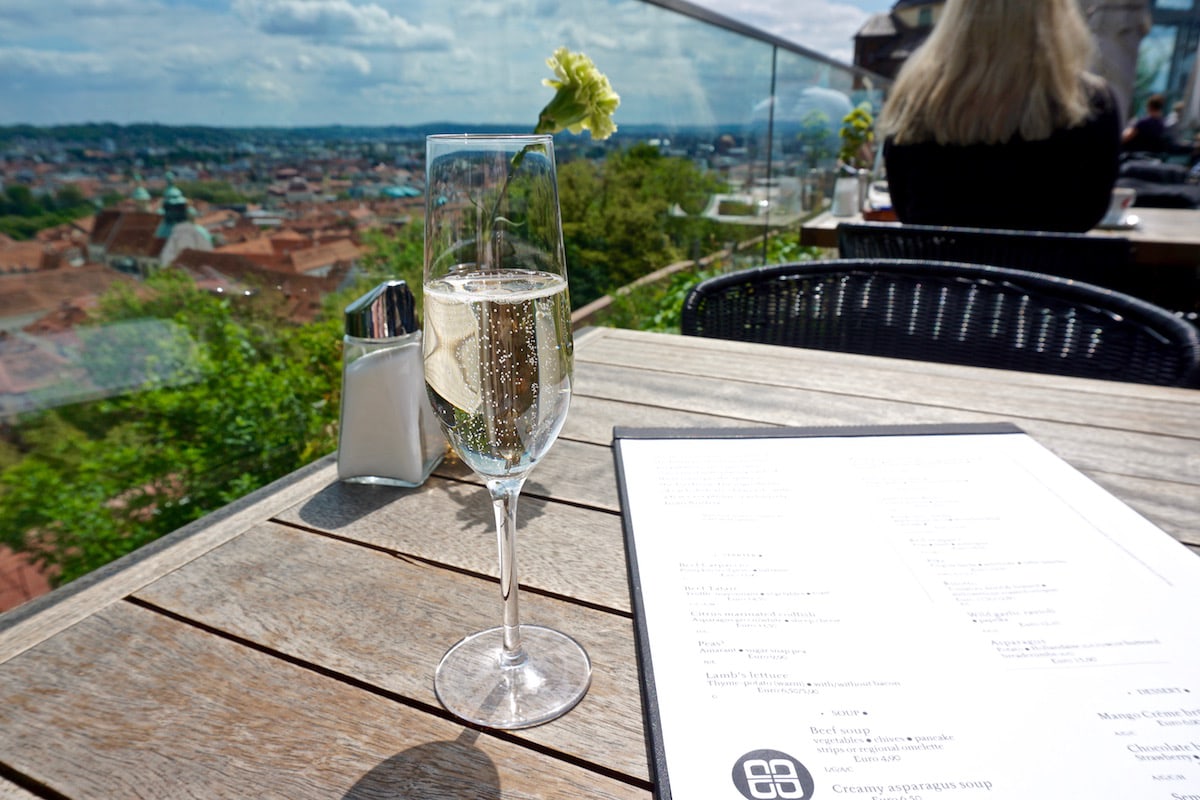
[
  {"x": 341, "y": 504},
  {"x": 475, "y": 505},
  {"x": 454, "y": 770}
]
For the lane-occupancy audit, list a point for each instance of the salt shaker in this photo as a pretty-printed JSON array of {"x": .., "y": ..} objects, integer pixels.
[{"x": 388, "y": 434}]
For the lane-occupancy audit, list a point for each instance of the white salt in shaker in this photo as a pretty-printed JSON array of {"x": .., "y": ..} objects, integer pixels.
[{"x": 389, "y": 434}]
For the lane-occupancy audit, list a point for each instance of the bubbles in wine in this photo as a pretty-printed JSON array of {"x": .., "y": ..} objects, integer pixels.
[{"x": 498, "y": 358}]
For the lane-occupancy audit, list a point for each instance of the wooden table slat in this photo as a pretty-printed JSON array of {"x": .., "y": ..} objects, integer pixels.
[
  {"x": 1019, "y": 395},
  {"x": 11, "y": 791},
  {"x": 387, "y": 621},
  {"x": 83, "y": 720},
  {"x": 561, "y": 547}
]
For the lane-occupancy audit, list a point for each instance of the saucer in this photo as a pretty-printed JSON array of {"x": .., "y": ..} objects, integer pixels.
[{"x": 1128, "y": 222}]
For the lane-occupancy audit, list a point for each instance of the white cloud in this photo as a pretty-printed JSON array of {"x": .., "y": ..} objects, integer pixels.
[
  {"x": 367, "y": 26},
  {"x": 312, "y": 62},
  {"x": 21, "y": 64},
  {"x": 826, "y": 26},
  {"x": 331, "y": 61}
]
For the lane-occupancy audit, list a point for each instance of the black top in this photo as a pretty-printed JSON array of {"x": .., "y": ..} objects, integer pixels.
[
  {"x": 1149, "y": 136},
  {"x": 1062, "y": 183}
]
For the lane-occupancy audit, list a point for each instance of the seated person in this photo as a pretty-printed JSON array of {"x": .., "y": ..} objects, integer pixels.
[
  {"x": 1148, "y": 134},
  {"x": 994, "y": 122}
]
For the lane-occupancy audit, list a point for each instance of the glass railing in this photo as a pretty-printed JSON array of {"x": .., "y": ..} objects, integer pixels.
[
  {"x": 760, "y": 112},
  {"x": 127, "y": 414}
]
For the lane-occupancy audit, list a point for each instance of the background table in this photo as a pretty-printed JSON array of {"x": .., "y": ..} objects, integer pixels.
[
  {"x": 285, "y": 646},
  {"x": 1164, "y": 237}
]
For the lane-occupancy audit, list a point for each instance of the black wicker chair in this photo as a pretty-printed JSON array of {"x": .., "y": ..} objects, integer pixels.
[
  {"x": 955, "y": 313},
  {"x": 1102, "y": 260}
]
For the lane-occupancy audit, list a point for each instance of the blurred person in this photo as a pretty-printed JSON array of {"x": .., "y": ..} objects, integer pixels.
[
  {"x": 995, "y": 121},
  {"x": 1148, "y": 133}
]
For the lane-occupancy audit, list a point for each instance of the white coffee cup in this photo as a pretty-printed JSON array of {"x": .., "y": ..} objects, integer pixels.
[{"x": 1119, "y": 205}]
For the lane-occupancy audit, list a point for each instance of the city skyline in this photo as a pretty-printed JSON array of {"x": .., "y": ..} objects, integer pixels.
[{"x": 237, "y": 63}]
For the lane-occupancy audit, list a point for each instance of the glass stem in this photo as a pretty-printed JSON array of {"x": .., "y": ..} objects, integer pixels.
[{"x": 504, "y": 503}]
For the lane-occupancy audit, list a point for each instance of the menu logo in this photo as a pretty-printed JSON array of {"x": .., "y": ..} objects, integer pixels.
[{"x": 771, "y": 775}]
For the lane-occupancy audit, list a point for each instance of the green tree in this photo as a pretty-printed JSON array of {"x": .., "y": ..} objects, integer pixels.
[
  {"x": 393, "y": 256},
  {"x": 617, "y": 222},
  {"x": 233, "y": 400},
  {"x": 19, "y": 201},
  {"x": 216, "y": 192},
  {"x": 816, "y": 138},
  {"x": 22, "y": 214}
]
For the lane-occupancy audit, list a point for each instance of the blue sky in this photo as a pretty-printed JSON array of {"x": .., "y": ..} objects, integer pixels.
[{"x": 367, "y": 62}]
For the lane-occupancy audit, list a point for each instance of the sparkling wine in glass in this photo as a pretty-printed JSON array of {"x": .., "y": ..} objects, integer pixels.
[{"x": 498, "y": 368}]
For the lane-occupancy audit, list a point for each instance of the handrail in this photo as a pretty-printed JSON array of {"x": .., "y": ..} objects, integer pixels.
[{"x": 734, "y": 26}]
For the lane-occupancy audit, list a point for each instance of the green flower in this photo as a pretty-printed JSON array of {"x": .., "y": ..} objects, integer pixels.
[
  {"x": 858, "y": 131},
  {"x": 584, "y": 101}
]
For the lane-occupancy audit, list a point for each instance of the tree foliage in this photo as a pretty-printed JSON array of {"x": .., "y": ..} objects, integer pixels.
[
  {"x": 216, "y": 192},
  {"x": 395, "y": 256},
  {"x": 22, "y": 214},
  {"x": 617, "y": 221},
  {"x": 255, "y": 400}
]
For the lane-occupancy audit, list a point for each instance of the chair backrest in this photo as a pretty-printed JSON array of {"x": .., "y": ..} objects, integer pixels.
[
  {"x": 955, "y": 313},
  {"x": 1102, "y": 260}
]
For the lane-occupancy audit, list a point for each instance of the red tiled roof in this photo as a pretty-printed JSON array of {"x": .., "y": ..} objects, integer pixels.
[
  {"x": 302, "y": 293},
  {"x": 218, "y": 218},
  {"x": 127, "y": 233},
  {"x": 135, "y": 238},
  {"x": 324, "y": 255},
  {"x": 259, "y": 245},
  {"x": 20, "y": 580},
  {"x": 104, "y": 224},
  {"x": 22, "y": 256},
  {"x": 288, "y": 236},
  {"x": 27, "y": 364},
  {"x": 46, "y": 290}
]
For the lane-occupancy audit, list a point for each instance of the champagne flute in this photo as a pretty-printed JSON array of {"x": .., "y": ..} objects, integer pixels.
[{"x": 498, "y": 369}]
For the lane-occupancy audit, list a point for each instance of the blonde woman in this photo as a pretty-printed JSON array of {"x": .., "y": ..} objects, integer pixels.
[{"x": 995, "y": 122}]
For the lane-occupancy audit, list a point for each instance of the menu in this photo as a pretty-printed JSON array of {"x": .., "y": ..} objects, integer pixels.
[{"x": 904, "y": 614}]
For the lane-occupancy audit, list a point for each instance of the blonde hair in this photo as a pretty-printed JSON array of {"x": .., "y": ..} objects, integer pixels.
[{"x": 992, "y": 69}]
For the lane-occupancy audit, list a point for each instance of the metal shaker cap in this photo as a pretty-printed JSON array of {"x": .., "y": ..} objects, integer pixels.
[{"x": 386, "y": 311}]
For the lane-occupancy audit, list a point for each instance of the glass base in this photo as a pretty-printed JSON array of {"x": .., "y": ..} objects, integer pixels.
[{"x": 551, "y": 678}]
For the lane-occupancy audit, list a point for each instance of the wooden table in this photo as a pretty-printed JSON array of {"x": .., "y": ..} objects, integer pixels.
[
  {"x": 1164, "y": 237},
  {"x": 285, "y": 646}
]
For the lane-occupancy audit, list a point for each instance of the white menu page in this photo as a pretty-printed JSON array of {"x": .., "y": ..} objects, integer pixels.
[{"x": 905, "y": 617}]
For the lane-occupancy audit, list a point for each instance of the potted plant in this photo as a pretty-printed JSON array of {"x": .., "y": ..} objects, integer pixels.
[{"x": 857, "y": 135}]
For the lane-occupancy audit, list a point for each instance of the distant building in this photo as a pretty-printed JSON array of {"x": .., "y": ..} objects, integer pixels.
[
  {"x": 177, "y": 229},
  {"x": 888, "y": 38},
  {"x": 22, "y": 256},
  {"x": 127, "y": 241},
  {"x": 139, "y": 242},
  {"x": 233, "y": 274},
  {"x": 141, "y": 197},
  {"x": 26, "y": 297}
]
